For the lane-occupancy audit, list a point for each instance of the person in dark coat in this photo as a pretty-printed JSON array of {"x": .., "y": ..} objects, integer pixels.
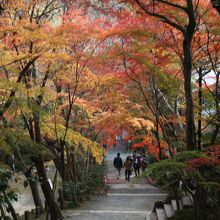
[
  {"x": 118, "y": 164},
  {"x": 137, "y": 165},
  {"x": 128, "y": 168},
  {"x": 144, "y": 162}
]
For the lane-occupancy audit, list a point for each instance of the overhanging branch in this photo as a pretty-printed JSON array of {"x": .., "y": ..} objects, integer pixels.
[{"x": 163, "y": 18}]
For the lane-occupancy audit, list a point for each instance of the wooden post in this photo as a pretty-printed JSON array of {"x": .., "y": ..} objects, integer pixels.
[
  {"x": 37, "y": 211},
  {"x": 27, "y": 215},
  {"x": 200, "y": 110},
  {"x": 61, "y": 198},
  {"x": 45, "y": 206}
]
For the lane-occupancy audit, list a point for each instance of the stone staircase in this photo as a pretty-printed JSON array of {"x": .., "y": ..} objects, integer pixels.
[
  {"x": 124, "y": 200},
  {"x": 163, "y": 210}
]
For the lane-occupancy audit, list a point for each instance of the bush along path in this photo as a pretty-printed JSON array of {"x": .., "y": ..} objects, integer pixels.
[
  {"x": 191, "y": 179},
  {"x": 122, "y": 199}
]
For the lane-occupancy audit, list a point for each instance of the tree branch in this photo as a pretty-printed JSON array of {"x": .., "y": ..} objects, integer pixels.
[{"x": 162, "y": 17}]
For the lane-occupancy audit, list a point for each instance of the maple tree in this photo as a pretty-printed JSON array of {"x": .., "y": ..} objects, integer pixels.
[
  {"x": 142, "y": 71},
  {"x": 51, "y": 76},
  {"x": 25, "y": 38},
  {"x": 169, "y": 40},
  {"x": 186, "y": 9},
  {"x": 74, "y": 75},
  {"x": 208, "y": 62},
  {"x": 36, "y": 57}
]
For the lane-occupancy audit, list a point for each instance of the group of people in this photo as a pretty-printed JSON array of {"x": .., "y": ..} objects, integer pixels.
[{"x": 133, "y": 162}]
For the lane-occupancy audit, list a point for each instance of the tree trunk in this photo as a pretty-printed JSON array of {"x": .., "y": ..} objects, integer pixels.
[
  {"x": 32, "y": 183},
  {"x": 218, "y": 205},
  {"x": 196, "y": 211},
  {"x": 2, "y": 212},
  {"x": 158, "y": 137},
  {"x": 54, "y": 210},
  {"x": 187, "y": 70},
  {"x": 35, "y": 192},
  {"x": 62, "y": 158},
  {"x": 10, "y": 207},
  {"x": 200, "y": 111},
  {"x": 215, "y": 134},
  {"x": 196, "y": 206}
]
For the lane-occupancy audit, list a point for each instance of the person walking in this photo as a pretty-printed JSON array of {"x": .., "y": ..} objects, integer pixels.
[
  {"x": 137, "y": 165},
  {"x": 128, "y": 168},
  {"x": 144, "y": 162},
  {"x": 118, "y": 164}
]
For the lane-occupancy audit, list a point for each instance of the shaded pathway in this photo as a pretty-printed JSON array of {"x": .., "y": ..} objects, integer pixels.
[{"x": 133, "y": 200}]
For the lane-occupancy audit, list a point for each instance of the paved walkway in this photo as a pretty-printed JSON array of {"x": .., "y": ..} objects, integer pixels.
[{"x": 123, "y": 201}]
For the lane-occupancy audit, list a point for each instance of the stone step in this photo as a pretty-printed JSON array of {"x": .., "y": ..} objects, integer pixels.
[
  {"x": 173, "y": 202},
  {"x": 107, "y": 215},
  {"x": 169, "y": 210},
  {"x": 134, "y": 191},
  {"x": 119, "y": 202},
  {"x": 133, "y": 186},
  {"x": 153, "y": 216},
  {"x": 136, "y": 194},
  {"x": 161, "y": 215},
  {"x": 186, "y": 201}
]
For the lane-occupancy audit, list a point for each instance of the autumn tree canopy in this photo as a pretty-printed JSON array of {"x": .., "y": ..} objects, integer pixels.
[{"x": 73, "y": 75}]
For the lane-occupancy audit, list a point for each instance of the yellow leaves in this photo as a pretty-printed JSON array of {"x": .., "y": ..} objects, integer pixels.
[
  {"x": 140, "y": 123},
  {"x": 86, "y": 105},
  {"x": 87, "y": 145},
  {"x": 97, "y": 152},
  {"x": 73, "y": 139},
  {"x": 148, "y": 139},
  {"x": 164, "y": 144},
  {"x": 89, "y": 80}
]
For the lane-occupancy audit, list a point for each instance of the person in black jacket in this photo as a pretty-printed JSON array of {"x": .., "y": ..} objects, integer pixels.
[
  {"x": 118, "y": 164},
  {"x": 137, "y": 165}
]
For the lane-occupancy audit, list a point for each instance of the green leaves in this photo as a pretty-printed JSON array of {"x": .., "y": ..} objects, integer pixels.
[
  {"x": 195, "y": 168},
  {"x": 166, "y": 171},
  {"x": 22, "y": 146},
  {"x": 188, "y": 155}
]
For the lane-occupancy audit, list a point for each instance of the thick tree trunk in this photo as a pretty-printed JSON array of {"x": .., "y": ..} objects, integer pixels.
[
  {"x": 54, "y": 210},
  {"x": 189, "y": 114},
  {"x": 187, "y": 72},
  {"x": 32, "y": 183},
  {"x": 35, "y": 192}
]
